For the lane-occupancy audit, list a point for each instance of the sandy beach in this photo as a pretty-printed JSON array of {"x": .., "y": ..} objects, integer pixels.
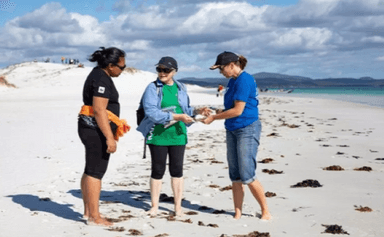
[{"x": 321, "y": 163}]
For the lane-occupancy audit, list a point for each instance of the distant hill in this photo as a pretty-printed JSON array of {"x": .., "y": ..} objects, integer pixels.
[{"x": 276, "y": 80}]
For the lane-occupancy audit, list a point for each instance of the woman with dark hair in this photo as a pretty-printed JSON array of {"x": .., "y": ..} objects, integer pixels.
[
  {"x": 167, "y": 112},
  {"x": 243, "y": 130},
  {"x": 99, "y": 126}
]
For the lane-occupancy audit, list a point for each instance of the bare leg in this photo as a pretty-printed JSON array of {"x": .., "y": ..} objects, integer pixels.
[
  {"x": 258, "y": 192},
  {"x": 155, "y": 186},
  {"x": 84, "y": 195},
  {"x": 238, "y": 197},
  {"x": 91, "y": 188},
  {"x": 177, "y": 188}
]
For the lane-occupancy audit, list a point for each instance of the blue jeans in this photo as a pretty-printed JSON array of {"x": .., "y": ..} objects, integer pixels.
[{"x": 242, "y": 145}]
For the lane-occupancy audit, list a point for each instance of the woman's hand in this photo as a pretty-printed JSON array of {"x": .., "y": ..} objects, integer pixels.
[
  {"x": 112, "y": 146},
  {"x": 204, "y": 111},
  {"x": 183, "y": 117},
  {"x": 208, "y": 120}
]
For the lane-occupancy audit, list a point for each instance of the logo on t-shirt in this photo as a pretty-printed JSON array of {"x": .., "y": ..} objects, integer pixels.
[{"x": 101, "y": 89}]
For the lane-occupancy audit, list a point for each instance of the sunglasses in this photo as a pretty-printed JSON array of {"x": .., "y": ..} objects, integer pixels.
[
  {"x": 121, "y": 68},
  {"x": 165, "y": 70}
]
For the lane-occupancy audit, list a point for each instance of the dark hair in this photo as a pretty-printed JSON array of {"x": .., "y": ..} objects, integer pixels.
[
  {"x": 104, "y": 56},
  {"x": 242, "y": 63}
]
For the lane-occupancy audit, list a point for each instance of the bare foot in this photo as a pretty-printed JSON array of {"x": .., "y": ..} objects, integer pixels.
[
  {"x": 179, "y": 213},
  {"x": 85, "y": 217},
  {"x": 99, "y": 222},
  {"x": 266, "y": 216},
  {"x": 237, "y": 215},
  {"x": 152, "y": 211}
]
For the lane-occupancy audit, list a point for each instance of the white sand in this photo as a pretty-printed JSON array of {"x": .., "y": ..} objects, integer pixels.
[{"x": 42, "y": 157}]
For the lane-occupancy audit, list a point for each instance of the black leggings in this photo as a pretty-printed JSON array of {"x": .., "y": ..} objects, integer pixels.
[
  {"x": 96, "y": 156},
  {"x": 159, "y": 158}
]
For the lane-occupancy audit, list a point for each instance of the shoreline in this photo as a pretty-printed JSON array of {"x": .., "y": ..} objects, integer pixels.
[{"x": 368, "y": 100}]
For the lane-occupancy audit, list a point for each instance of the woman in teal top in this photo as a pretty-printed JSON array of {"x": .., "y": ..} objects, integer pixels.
[
  {"x": 243, "y": 130},
  {"x": 167, "y": 113}
]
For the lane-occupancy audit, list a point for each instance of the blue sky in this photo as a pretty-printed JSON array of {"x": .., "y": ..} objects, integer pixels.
[{"x": 313, "y": 38}]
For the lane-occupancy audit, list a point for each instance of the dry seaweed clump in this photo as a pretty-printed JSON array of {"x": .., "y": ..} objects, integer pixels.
[
  {"x": 226, "y": 188},
  {"x": 254, "y": 234},
  {"x": 274, "y": 134},
  {"x": 334, "y": 167},
  {"x": 270, "y": 194},
  {"x": 363, "y": 209},
  {"x": 266, "y": 160},
  {"x": 272, "y": 171},
  {"x": 134, "y": 232},
  {"x": 335, "y": 229},
  {"x": 117, "y": 229},
  {"x": 364, "y": 168},
  {"x": 190, "y": 213},
  {"x": 307, "y": 183}
]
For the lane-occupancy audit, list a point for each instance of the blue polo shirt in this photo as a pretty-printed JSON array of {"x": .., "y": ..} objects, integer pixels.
[{"x": 242, "y": 88}]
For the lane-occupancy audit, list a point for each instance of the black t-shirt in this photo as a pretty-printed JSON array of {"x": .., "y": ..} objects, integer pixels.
[{"x": 99, "y": 84}]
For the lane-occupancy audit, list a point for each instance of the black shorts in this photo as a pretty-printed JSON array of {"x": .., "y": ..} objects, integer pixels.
[
  {"x": 96, "y": 156},
  {"x": 159, "y": 157}
]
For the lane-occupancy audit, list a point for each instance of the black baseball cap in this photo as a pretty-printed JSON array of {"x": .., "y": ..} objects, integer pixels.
[
  {"x": 224, "y": 58},
  {"x": 167, "y": 62}
]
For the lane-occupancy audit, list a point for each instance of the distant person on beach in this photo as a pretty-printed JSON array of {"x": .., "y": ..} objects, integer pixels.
[
  {"x": 243, "y": 130},
  {"x": 99, "y": 126},
  {"x": 167, "y": 114},
  {"x": 220, "y": 90}
]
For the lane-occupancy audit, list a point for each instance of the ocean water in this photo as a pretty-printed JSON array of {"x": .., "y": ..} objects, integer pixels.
[{"x": 373, "y": 96}]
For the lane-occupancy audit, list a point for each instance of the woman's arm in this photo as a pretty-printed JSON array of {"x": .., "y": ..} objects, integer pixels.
[
  {"x": 101, "y": 116},
  {"x": 236, "y": 111},
  {"x": 150, "y": 105}
]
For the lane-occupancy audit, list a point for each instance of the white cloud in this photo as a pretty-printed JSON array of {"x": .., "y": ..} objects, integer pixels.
[
  {"x": 306, "y": 38},
  {"x": 50, "y": 18},
  {"x": 192, "y": 68},
  {"x": 92, "y": 33},
  {"x": 218, "y": 17},
  {"x": 196, "y": 33},
  {"x": 374, "y": 39}
]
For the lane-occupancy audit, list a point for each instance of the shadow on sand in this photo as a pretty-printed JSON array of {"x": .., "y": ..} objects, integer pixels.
[
  {"x": 35, "y": 203},
  {"x": 141, "y": 200}
]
